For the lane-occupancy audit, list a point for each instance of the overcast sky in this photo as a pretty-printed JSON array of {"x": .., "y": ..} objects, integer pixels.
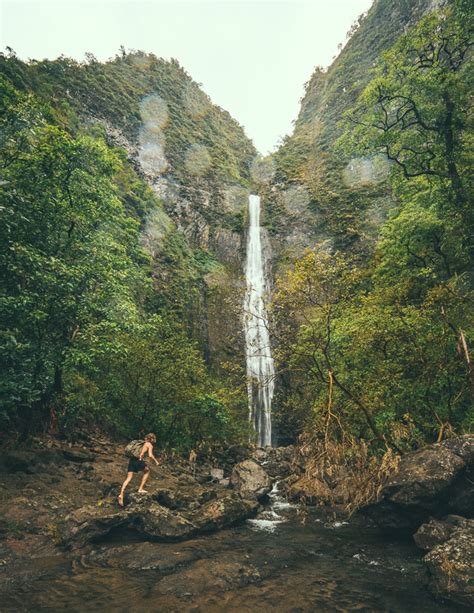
[{"x": 251, "y": 56}]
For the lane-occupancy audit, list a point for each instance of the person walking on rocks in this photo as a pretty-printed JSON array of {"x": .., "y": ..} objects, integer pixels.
[{"x": 137, "y": 450}]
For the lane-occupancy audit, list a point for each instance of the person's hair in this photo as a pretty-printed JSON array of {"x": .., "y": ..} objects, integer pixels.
[{"x": 150, "y": 438}]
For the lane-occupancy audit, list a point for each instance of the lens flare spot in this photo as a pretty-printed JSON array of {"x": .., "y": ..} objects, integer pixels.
[
  {"x": 154, "y": 111},
  {"x": 296, "y": 199},
  {"x": 365, "y": 171},
  {"x": 152, "y": 159},
  {"x": 197, "y": 160},
  {"x": 151, "y": 134}
]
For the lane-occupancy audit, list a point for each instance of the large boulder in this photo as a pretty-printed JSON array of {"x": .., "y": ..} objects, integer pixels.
[
  {"x": 250, "y": 480},
  {"x": 276, "y": 461},
  {"x": 224, "y": 512},
  {"x": 90, "y": 523},
  {"x": 451, "y": 566},
  {"x": 430, "y": 482},
  {"x": 153, "y": 521}
]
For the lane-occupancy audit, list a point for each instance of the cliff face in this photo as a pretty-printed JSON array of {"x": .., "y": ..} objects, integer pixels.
[
  {"x": 192, "y": 153},
  {"x": 316, "y": 194}
]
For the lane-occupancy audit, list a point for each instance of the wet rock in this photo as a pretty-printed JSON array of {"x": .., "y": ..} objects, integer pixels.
[
  {"x": 89, "y": 523},
  {"x": 151, "y": 520},
  {"x": 174, "y": 499},
  {"x": 451, "y": 567},
  {"x": 141, "y": 556},
  {"x": 238, "y": 453},
  {"x": 159, "y": 523},
  {"x": 250, "y": 480},
  {"x": 277, "y": 461},
  {"x": 209, "y": 576},
  {"x": 429, "y": 482},
  {"x": 437, "y": 531},
  {"x": 225, "y": 511}
]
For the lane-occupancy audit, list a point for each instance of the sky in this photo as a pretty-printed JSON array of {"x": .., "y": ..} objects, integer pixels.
[{"x": 252, "y": 57}]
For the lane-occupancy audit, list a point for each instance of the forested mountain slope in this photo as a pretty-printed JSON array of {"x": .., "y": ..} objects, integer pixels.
[
  {"x": 376, "y": 184},
  {"x": 335, "y": 200},
  {"x": 146, "y": 183}
]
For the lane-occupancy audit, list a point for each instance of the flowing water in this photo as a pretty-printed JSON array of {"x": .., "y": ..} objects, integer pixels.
[
  {"x": 260, "y": 369},
  {"x": 277, "y": 562}
]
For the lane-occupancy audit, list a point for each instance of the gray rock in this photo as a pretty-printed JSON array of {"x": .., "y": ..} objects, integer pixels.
[
  {"x": 226, "y": 511},
  {"x": 250, "y": 480},
  {"x": 430, "y": 482},
  {"x": 423, "y": 477},
  {"x": 451, "y": 567},
  {"x": 437, "y": 531},
  {"x": 146, "y": 517}
]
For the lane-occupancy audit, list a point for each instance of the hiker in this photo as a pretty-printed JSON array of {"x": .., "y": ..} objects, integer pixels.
[{"x": 137, "y": 464}]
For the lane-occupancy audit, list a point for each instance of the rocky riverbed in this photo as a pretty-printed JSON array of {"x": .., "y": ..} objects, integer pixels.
[{"x": 65, "y": 543}]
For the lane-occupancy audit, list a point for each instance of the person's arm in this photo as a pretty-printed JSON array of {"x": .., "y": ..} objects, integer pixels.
[
  {"x": 150, "y": 454},
  {"x": 145, "y": 448}
]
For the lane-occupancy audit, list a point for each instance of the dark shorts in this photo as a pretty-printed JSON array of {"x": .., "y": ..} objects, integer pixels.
[{"x": 135, "y": 465}]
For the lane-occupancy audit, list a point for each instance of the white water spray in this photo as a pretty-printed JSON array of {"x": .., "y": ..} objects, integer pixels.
[{"x": 260, "y": 369}]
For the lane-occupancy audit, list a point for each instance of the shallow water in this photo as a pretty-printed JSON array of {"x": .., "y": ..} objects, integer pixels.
[{"x": 274, "y": 563}]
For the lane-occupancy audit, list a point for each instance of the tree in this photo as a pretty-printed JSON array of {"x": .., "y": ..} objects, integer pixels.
[{"x": 70, "y": 260}]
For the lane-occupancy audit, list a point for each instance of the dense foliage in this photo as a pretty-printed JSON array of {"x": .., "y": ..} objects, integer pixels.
[
  {"x": 91, "y": 328},
  {"x": 382, "y": 346}
]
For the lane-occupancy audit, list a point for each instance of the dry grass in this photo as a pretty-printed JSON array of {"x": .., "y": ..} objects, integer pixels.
[{"x": 340, "y": 472}]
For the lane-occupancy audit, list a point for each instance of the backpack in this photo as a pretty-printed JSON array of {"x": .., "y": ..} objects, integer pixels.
[{"x": 134, "y": 448}]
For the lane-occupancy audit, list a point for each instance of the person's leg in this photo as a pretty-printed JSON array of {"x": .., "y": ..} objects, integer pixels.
[
  {"x": 124, "y": 487},
  {"x": 146, "y": 474}
]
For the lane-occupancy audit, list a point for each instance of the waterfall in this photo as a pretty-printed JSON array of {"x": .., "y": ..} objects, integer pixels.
[{"x": 260, "y": 369}]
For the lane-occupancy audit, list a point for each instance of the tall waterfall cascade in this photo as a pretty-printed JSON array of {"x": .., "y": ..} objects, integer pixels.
[{"x": 260, "y": 368}]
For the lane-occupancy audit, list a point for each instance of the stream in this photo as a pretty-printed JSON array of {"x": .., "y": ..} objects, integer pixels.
[{"x": 280, "y": 561}]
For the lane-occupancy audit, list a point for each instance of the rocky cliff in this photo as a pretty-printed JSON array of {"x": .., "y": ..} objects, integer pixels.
[
  {"x": 194, "y": 156},
  {"x": 315, "y": 193}
]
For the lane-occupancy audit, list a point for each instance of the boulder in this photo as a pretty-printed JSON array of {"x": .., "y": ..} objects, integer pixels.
[
  {"x": 225, "y": 511},
  {"x": 145, "y": 516},
  {"x": 423, "y": 477},
  {"x": 90, "y": 523},
  {"x": 451, "y": 567},
  {"x": 437, "y": 531},
  {"x": 461, "y": 495},
  {"x": 250, "y": 480},
  {"x": 430, "y": 482},
  {"x": 156, "y": 522},
  {"x": 277, "y": 461}
]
